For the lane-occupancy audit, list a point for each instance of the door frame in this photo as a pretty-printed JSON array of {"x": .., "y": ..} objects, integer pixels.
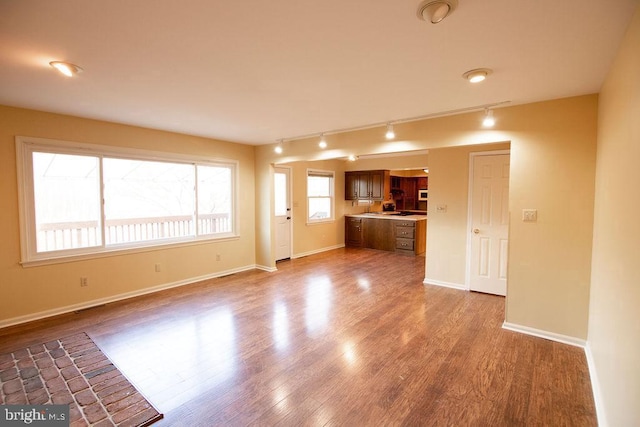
[
  {"x": 289, "y": 170},
  {"x": 472, "y": 156}
]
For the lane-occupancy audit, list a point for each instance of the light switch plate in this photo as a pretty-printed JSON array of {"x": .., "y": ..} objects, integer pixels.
[{"x": 529, "y": 215}]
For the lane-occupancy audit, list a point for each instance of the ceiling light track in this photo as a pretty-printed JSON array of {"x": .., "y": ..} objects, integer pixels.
[{"x": 395, "y": 122}]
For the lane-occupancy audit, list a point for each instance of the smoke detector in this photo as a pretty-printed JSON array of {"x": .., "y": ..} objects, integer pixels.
[{"x": 435, "y": 11}]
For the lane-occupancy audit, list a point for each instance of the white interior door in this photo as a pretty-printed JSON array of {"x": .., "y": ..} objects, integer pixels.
[
  {"x": 282, "y": 213},
  {"x": 489, "y": 222}
]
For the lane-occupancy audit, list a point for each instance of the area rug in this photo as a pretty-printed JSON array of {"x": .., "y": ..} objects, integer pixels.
[{"x": 73, "y": 371}]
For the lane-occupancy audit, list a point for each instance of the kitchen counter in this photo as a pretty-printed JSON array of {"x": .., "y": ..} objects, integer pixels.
[
  {"x": 405, "y": 234},
  {"x": 388, "y": 215}
]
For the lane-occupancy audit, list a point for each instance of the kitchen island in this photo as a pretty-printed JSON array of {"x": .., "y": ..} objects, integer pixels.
[{"x": 387, "y": 231}]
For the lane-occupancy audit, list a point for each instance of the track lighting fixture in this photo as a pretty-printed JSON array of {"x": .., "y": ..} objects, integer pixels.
[
  {"x": 390, "y": 133},
  {"x": 66, "y": 68},
  {"x": 488, "y": 120},
  {"x": 352, "y": 158}
]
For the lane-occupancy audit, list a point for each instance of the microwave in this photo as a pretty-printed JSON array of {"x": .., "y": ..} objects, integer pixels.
[{"x": 423, "y": 195}]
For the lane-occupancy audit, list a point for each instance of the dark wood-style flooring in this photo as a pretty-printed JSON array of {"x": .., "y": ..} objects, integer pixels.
[{"x": 346, "y": 337}]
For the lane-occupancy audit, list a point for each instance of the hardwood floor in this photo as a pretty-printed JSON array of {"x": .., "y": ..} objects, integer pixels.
[{"x": 346, "y": 337}]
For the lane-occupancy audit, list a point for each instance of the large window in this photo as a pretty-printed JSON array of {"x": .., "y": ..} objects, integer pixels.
[
  {"x": 320, "y": 196},
  {"x": 79, "y": 199}
]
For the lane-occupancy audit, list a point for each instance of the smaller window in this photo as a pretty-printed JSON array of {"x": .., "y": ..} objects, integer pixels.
[{"x": 320, "y": 196}]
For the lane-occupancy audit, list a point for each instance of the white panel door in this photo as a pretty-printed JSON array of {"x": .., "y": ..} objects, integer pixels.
[
  {"x": 282, "y": 204},
  {"x": 489, "y": 224}
]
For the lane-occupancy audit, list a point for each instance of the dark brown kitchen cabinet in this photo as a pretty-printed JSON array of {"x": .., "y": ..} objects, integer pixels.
[
  {"x": 367, "y": 185},
  {"x": 411, "y": 237},
  {"x": 377, "y": 234},
  {"x": 408, "y": 237},
  {"x": 353, "y": 232},
  {"x": 423, "y": 183}
]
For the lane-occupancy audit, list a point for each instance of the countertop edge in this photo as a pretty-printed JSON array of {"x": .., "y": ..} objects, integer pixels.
[{"x": 392, "y": 217}]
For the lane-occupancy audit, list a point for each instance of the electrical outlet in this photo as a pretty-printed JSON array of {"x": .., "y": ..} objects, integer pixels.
[
  {"x": 158, "y": 268},
  {"x": 84, "y": 282},
  {"x": 441, "y": 208},
  {"x": 529, "y": 215}
]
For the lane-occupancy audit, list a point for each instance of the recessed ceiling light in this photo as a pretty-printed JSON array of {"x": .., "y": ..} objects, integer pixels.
[
  {"x": 66, "y": 68},
  {"x": 435, "y": 11},
  {"x": 477, "y": 75}
]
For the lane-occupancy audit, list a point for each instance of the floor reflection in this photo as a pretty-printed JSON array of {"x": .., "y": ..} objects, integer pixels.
[
  {"x": 350, "y": 355},
  {"x": 318, "y": 301},
  {"x": 364, "y": 284},
  {"x": 280, "y": 326}
]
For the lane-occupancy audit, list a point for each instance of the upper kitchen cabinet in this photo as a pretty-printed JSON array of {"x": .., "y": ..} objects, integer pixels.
[
  {"x": 367, "y": 185},
  {"x": 423, "y": 183}
]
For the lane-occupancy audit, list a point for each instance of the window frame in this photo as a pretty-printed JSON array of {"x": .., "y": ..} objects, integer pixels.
[
  {"x": 25, "y": 146},
  {"x": 332, "y": 195}
]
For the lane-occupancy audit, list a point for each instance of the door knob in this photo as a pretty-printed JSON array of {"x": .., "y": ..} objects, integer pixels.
[
  {"x": 288, "y": 217},
  {"x": 476, "y": 231}
]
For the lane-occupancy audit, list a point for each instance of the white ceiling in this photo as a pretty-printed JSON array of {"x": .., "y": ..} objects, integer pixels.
[{"x": 255, "y": 71}]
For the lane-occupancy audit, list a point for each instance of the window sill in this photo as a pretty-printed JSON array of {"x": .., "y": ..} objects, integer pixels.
[
  {"x": 319, "y": 222},
  {"x": 122, "y": 251}
]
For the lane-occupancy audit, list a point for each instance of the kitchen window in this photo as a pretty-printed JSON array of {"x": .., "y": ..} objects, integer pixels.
[
  {"x": 79, "y": 200},
  {"x": 320, "y": 196}
]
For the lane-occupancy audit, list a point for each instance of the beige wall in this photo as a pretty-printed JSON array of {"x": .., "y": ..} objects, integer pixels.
[
  {"x": 447, "y": 235},
  {"x": 614, "y": 317},
  {"x": 409, "y": 160},
  {"x": 47, "y": 289},
  {"x": 552, "y": 170},
  {"x": 310, "y": 238}
]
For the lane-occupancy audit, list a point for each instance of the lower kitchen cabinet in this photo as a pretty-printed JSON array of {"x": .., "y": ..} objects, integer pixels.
[
  {"x": 353, "y": 231},
  {"x": 411, "y": 237},
  {"x": 388, "y": 234},
  {"x": 377, "y": 234}
]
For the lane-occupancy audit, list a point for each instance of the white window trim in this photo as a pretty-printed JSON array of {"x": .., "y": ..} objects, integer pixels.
[
  {"x": 26, "y": 206},
  {"x": 332, "y": 195}
]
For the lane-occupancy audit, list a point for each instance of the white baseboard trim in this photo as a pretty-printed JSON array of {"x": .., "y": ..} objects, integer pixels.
[
  {"x": 317, "y": 251},
  {"x": 458, "y": 286},
  {"x": 564, "y": 339},
  {"x": 88, "y": 304},
  {"x": 266, "y": 268},
  {"x": 595, "y": 388}
]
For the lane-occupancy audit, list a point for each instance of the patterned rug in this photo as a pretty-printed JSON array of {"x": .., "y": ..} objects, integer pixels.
[{"x": 73, "y": 371}]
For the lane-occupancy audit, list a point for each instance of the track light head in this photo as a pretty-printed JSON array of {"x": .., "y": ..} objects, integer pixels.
[
  {"x": 488, "y": 120},
  {"x": 323, "y": 142},
  {"x": 390, "y": 133}
]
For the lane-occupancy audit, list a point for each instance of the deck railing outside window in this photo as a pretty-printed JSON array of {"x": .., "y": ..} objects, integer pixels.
[{"x": 70, "y": 235}]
